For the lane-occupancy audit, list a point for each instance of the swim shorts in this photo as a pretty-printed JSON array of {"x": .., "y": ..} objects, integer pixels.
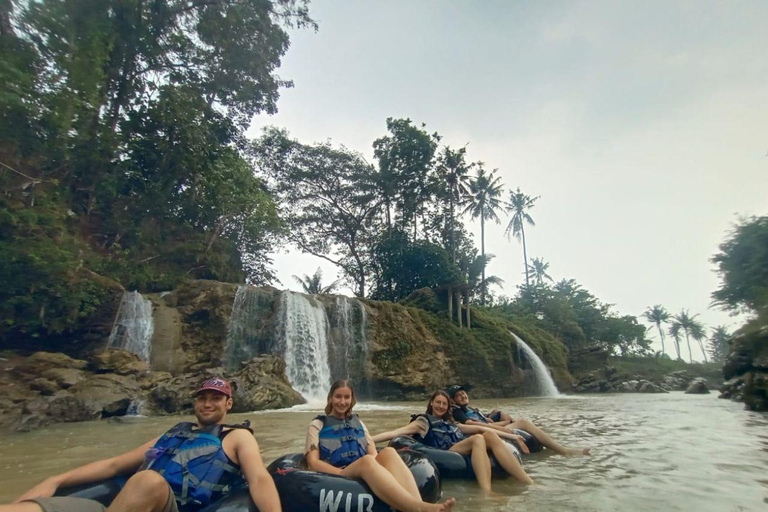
[{"x": 69, "y": 504}]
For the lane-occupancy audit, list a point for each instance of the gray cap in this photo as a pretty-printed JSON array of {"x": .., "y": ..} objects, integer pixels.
[{"x": 452, "y": 390}]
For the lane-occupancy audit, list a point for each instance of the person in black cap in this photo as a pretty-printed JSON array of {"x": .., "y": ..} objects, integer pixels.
[
  {"x": 185, "y": 469},
  {"x": 498, "y": 420}
]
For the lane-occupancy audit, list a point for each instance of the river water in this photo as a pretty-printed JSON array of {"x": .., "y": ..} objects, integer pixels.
[{"x": 671, "y": 452}]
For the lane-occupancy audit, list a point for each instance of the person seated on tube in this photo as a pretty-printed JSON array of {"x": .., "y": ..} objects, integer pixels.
[
  {"x": 161, "y": 477},
  {"x": 498, "y": 420},
  {"x": 338, "y": 443},
  {"x": 437, "y": 429}
]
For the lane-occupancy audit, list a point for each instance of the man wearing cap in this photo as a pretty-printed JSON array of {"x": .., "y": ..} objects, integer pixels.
[
  {"x": 185, "y": 469},
  {"x": 463, "y": 413}
]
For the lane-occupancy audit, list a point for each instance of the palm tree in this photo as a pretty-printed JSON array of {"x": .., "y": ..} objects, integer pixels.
[
  {"x": 699, "y": 334},
  {"x": 658, "y": 315},
  {"x": 313, "y": 284},
  {"x": 674, "y": 331},
  {"x": 473, "y": 268},
  {"x": 689, "y": 326},
  {"x": 718, "y": 343},
  {"x": 485, "y": 191},
  {"x": 538, "y": 270},
  {"x": 518, "y": 206},
  {"x": 453, "y": 170}
]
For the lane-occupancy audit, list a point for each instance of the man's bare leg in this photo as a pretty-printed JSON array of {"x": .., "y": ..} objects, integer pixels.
[
  {"x": 545, "y": 439},
  {"x": 24, "y": 506},
  {"x": 146, "y": 491}
]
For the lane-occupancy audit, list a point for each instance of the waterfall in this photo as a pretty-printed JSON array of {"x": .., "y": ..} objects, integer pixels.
[
  {"x": 546, "y": 386},
  {"x": 305, "y": 327},
  {"x": 348, "y": 351},
  {"x": 133, "y": 326},
  {"x": 246, "y": 330}
]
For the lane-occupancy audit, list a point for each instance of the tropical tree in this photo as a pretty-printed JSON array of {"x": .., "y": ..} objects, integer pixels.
[
  {"x": 538, "y": 270},
  {"x": 691, "y": 328},
  {"x": 485, "y": 191},
  {"x": 405, "y": 158},
  {"x": 674, "y": 331},
  {"x": 658, "y": 315},
  {"x": 474, "y": 270},
  {"x": 742, "y": 265},
  {"x": 313, "y": 284},
  {"x": 327, "y": 213},
  {"x": 718, "y": 343},
  {"x": 453, "y": 171},
  {"x": 698, "y": 333},
  {"x": 518, "y": 206}
]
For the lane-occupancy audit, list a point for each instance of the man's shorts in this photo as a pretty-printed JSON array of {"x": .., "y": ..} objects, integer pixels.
[
  {"x": 68, "y": 504},
  {"x": 496, "y": 416}
]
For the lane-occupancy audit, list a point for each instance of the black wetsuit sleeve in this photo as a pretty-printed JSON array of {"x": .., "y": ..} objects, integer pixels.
[{"x": 459, "y": 415}]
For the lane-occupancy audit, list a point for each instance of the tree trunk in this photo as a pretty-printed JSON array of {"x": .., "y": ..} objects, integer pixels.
[
  {"x": 690, "y": 354},
  {"x": 469, "y": 319},
  {"x": 661, "y": 334},
  {"x": 458, "y": 307},
  {"x": 482, "y": 251},
  {"x": 525, "y": 255},
  {"x": 453, "y": 244},
  {"x": 450, "y": 303}
]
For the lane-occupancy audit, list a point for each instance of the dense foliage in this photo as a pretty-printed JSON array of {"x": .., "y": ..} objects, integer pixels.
[
  {"x": 742, "y": 265},
  {"x": 121, "y": 129}
]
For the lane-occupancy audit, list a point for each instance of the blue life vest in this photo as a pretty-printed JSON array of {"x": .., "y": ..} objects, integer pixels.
[
  {"x": 441, "y": 434},
  {"x": 472, "y": 413},
  {"x": 342, "y": 442},
  {"x": 194, "y": 464}
]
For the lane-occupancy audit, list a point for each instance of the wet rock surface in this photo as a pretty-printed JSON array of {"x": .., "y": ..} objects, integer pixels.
[
  {"x": 48, "y": 388},
  {"x": 609, "y": 380},
  {"x": 698, "y": 386},
  {"x": 746, "y": 367}
]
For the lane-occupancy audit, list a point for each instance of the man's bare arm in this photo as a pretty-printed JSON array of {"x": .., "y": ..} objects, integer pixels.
[
  {"x": 260, "y": 483},
  {"x": 95, "y": 471}
]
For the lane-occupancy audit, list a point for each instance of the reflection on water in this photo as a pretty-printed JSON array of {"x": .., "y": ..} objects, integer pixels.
[{"x": 671, "y": 452}]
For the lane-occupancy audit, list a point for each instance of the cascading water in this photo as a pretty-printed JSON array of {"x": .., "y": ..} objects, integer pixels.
[
  {"x": 133, "y": 326},
  {"x": 246, "y": 329},
  {"x": 546, "y": 386},
  {"x": 348, "y": 351},
  {"x": 305, "y": 327}
]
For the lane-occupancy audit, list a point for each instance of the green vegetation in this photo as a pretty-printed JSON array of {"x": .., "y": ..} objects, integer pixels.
[{"x": 121, "y": 128}]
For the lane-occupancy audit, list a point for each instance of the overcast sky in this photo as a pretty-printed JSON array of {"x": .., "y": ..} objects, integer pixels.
[{"x": 642, "y": 125}]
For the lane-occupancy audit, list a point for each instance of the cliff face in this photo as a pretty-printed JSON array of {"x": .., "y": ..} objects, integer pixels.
[
  {"x": 260, "y": 338},
  {"x": 746, "y": 367}
]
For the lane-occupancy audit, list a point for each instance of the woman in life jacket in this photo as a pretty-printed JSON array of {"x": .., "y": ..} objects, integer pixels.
[
  {"x": 437, "y": 429},
  {"x": 338, "y": 443}
]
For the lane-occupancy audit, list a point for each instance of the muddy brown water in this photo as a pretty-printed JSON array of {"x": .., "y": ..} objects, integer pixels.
[{"x": 671, "y": 452}]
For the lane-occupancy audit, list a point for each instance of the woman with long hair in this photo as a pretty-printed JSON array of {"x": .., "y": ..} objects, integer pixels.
[
  {"x": 437, "y": 429},
  {"x": 338, "y": 443}
]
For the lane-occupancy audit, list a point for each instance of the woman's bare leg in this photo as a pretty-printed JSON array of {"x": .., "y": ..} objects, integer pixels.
[
  {"x": 387, "y": 488},
  {"x": 475, "y": 447},
  {"x": 505, "y": 457},
  {"x": 545, "y": 439},
  {"x": 389, "y": 458}
]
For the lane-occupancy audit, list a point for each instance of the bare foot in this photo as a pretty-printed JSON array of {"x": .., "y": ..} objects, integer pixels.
[{"x": 445, "y": 506}]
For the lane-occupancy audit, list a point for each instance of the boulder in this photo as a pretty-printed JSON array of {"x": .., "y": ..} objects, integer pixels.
[
  {"x": 698, "y": 386},
  {"x": 65, "y": 377},
  {"x": 261, "y": 384},
  {"x": 38, "y": 363},
  {"x": 44, "y": 386},
  {"x": 118, "y": 361},
  {"x": 107, "y": 395}
]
